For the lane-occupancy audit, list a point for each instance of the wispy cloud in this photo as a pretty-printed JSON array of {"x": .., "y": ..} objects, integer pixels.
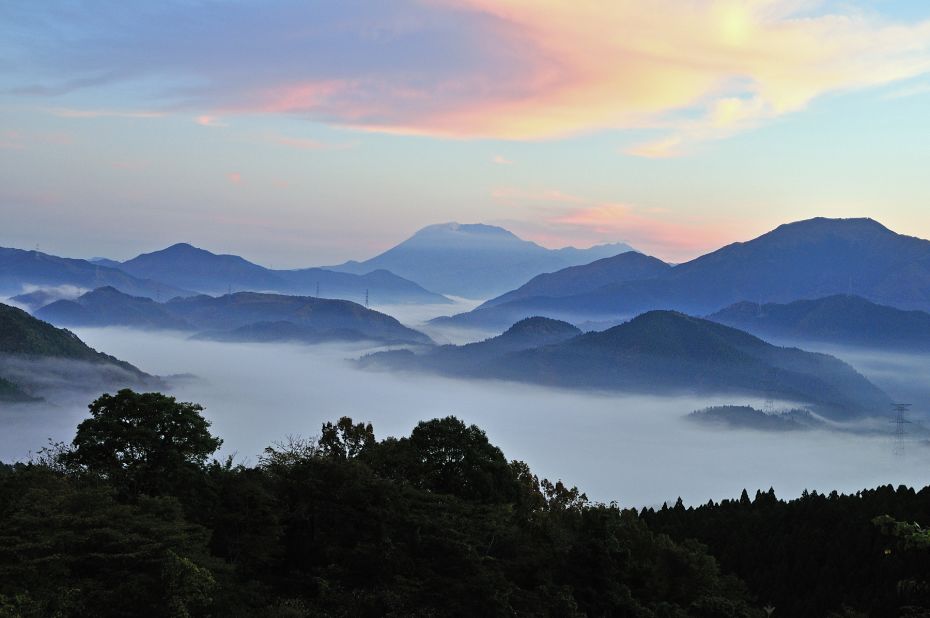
[
  {"x": 65, "y": 112},
  {"x": 511, "y": 69},
  {"x": 501, "y": 160},
  {"x": 210, "y": 121},
  {"x": 910, "y": 91},
  {"x": 555, "y": 218},
  {"x": 307, "y": 143},
  {"x": 234, "y": 178}
]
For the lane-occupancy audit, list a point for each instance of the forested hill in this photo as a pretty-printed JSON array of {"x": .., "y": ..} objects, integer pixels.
[
  {"x": 658, "y": 352},
  {"x": 26, "y": 344},
  {"x": 436, "y": 523},
  {"x": 840, "y": 556},
  {"x": 839, "y": 319},
  {"x": 23, "y": 335}
]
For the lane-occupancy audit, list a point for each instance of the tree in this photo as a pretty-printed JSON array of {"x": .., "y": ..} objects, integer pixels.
[
  {"x": 142, "y": 442},
  {"x": 346, "y": 440},
  {"x": 455, "y": 458}
]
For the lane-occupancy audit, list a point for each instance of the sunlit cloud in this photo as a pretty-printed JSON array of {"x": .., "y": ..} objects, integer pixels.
[
  {"x": 512, "y": 69},
  {"x": 501, "y": 160},
  {"x": 557, "y": 219},
  {"x": 234, "y": 178},
  {"x": 209, "y": 121},
  {"x": 306, "y": 143}
]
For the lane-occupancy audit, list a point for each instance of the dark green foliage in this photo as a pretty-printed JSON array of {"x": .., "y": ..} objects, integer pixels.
[
  {"x": 852, "y": 555},
  {"x": 25, "y": 338},
  {"x": 22, "y": 334},
  {"x": 71, "y": 549},
  {"x": 12, "y": 393},
  {"x": 144, "y": 443},
  {"x": 438, "y": 523},
  {"x": 747, "y": 417}
]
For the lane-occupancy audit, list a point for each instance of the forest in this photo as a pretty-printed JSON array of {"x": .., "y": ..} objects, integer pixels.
[{"x": 136, "y": 517}]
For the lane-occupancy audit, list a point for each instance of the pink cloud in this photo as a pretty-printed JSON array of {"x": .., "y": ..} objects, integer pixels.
[
  {"x": 501, "y": 160},
  {"x": 558, "y": 219},
  {"x": 305, "y": 143},
  {"x": 209, "y": 121},
  {"x": 234, "y": 177}
]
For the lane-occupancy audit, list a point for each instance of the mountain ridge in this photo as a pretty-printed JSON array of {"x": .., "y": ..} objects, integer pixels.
[
  {"x": 474, "y": 260},
  {"x": 804, "y": 259},
  {"x": 663, "y": 352}
]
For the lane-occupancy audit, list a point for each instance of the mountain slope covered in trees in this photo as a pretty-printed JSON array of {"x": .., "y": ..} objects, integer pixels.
[
  {"x": 33, "y": 351},
  {"x": 662, "y": 352}
]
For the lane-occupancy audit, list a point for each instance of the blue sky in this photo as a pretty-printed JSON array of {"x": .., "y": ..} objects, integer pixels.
[{"x": 310, "y": 133}]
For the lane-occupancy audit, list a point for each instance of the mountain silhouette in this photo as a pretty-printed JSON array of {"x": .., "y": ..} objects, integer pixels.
[
  {"x": 198, "y": 269},
  {"x": 662, "y": 352},
  {"x": 475, "y": 260},
  {"x": 808, "y": 259}
]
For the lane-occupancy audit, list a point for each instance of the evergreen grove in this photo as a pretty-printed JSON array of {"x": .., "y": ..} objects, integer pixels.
[{"x": 136, "y": 518}]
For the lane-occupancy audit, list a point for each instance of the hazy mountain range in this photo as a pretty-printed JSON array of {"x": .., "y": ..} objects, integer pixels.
[
  {"x": 839, "y": 319},
  {"x": 36, "y": 357},
  {"x": 660, "y": 352},
  {"x": 190, "y": 267},
  {"x": 475, "y": 261},
  {"x": 20, "y": 269},
  {"x": 807, "y": 259},
  {"x": 241, "y": 316}
]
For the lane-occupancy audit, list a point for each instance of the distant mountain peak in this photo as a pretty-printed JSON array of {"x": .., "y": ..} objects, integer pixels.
[
  {"x": 538, "y": 325},
  {"x": 827, "y": 224},
  {"x": 465, "y": 228}
]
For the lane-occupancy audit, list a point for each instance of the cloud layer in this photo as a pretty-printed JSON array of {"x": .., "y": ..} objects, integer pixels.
[{"x": 512, "y": 69}]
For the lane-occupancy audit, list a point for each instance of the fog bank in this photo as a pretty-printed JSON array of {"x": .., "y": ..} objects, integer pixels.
[{"x": 634, "y": 449}]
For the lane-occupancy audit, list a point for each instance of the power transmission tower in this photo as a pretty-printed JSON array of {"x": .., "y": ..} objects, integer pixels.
[
  {"x": 768, "y": 405},
  {"x": 317, "y": 289},
  {"x": 366, "y": 297},
  {"x": 899, "y": 422}
]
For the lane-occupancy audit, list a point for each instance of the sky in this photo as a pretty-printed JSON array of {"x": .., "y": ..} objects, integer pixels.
[{"x": 300, "y": 133}]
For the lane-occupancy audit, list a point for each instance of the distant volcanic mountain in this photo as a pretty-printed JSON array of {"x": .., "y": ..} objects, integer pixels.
[
  {"x": 660, "y": 352},
  {"x": 807, "y": 259},
  {"x": 475, "y": 260}
]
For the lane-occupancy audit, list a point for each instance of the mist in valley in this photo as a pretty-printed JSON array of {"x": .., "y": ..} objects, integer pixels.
[{"x": 638, "y": 450}]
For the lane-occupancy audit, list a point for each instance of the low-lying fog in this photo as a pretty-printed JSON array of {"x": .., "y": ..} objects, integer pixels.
[{"x": 633, "y": 449}]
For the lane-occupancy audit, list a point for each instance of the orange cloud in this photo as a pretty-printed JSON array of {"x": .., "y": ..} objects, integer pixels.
[
  {"x": 730, "y": 64},
  {"x": 557, "y": 219},
  {"x": 209, "y": 121}
]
